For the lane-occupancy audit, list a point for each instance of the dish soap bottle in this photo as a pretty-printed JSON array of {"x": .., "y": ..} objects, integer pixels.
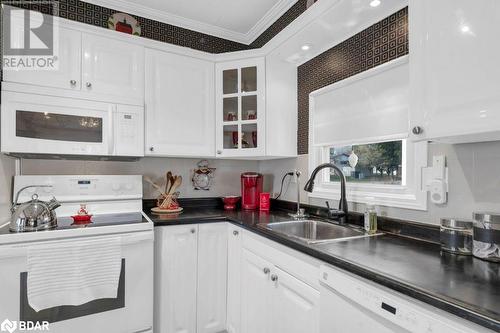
[{"x": 370, "y": 218}]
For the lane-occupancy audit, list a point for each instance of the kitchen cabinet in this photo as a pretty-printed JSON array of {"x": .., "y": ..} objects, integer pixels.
[
  {"x": 295, "y": 304},
  {"x": 180, "y": 111},
  {"x": 234, "y": 251},
  {"x": 212, "y": 277},
  {"x": 255, "y": 294},
  {"x": 88, "y": 67},
  {"x": 272, "y": 300},
  {"x": 176, "y": 252},
  {"x": 240, "y": 108},
  {"x": 112, "y": 67},
  {"x": 454, "y": 71},
  {"x": 190, "y": 278},
  {"x": 68, "y": 63}
]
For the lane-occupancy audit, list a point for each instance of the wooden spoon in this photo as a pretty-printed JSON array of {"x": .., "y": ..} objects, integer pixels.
[{"x": 168, "y": 177}]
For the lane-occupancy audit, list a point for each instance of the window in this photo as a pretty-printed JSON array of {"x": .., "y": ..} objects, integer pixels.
[
  {"x": 361, "y": 125},
  {"x": 377, "y": 163}
]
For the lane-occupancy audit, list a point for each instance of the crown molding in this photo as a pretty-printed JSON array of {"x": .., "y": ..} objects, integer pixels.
[{"x": 266, "y": 21}]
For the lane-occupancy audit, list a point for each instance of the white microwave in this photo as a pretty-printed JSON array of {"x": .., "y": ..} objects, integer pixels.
[{"x": 38, "y": 124}]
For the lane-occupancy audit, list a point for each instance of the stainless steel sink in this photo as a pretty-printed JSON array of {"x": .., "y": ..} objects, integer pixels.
[{"x": 311, "y": 231}]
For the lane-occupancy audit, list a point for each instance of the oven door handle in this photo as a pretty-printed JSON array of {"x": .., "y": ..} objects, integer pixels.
[{"x": 111, "y": 129}]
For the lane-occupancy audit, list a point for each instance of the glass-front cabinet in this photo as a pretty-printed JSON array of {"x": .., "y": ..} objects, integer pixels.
[{"x": 240, "y": 108}]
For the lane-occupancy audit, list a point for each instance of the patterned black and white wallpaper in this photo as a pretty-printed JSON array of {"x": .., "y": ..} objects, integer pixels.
[
  {"x": 88, "y": 13},
  {"x": 384, "y": 41}
]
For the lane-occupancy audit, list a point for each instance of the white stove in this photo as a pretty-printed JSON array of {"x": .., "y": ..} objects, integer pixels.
[{"x": 115, "y": 203}]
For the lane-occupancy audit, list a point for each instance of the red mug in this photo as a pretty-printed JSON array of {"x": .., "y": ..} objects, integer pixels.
[{"x": 265, "y": 201}]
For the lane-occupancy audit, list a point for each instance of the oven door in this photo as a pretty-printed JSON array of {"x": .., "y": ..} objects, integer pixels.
[
  {"x": 36, "y": 124},
  {"x": 131, "y": 311}
]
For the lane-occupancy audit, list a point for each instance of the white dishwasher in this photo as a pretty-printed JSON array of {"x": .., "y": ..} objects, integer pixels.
[{"x": 351, "y": 304}]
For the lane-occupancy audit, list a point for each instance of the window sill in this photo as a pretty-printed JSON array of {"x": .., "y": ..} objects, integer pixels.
[{"x": 399, "y": 200}]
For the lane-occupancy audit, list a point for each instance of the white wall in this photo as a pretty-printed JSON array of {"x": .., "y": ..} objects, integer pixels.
[
  {"x": 474, "y": 182},
  {"x": 226, "y": 181},
  {"x": 7, "y": 170}
]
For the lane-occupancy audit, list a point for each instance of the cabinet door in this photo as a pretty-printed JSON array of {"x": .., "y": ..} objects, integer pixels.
[
  {"x": 233, "y": 279},
  {"x": 176, "y": 278},
  {"x": 68, "y": 62},
  {"x": 180, "y": 119},
  {"x": 295, "y": 307},
  {"x": 454, "y": 71},
  {"x": 255, "y": 294},
  {"x": 240, "y": 108},
  {"x": 212, "y": 277},
  {"x": 113, "y": 67}
]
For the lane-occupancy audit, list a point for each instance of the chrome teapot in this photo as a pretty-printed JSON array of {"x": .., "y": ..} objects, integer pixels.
[{"x": 33, "y": 215}]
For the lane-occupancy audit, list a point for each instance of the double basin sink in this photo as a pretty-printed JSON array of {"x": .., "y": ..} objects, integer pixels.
[{"x": 313, "y": 231}]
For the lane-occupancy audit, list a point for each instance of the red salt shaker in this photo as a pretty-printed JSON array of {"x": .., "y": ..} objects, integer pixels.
[{"x": 265, "y": 201}]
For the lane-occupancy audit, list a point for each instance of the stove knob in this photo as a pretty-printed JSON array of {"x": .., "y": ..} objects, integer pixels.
[
  {"x": 129, "y": 186},
  {"x": 115, "y": 187}
]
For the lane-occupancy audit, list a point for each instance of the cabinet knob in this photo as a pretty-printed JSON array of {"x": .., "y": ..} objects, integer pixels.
[
  {"x": 151, "y": 148},
  {"x": 274, "y": 277},
  {"x": 417, "y": 130},
  {"x": 219, "y": 152},
  {"x": 72, "y": 82},
  {"x": 88, "y": 84},
  {"x": 235, "y": 232},
  {"x": 266, "y": 270},
  {"x": 193, "y": 231}
]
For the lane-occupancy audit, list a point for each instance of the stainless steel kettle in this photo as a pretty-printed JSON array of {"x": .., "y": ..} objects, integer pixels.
[{"x": 33, "y": 215}]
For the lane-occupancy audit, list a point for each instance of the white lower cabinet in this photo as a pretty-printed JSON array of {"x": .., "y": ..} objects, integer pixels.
[
  {"x": 176, "y": 252},
  {"x": 255, "y": 294},
  {"x": 234, "y": 257},
  {"x": 274, "y": 301},
  {"x": 190, "y": 278},
  {"x": 212, "y": 277},
  {"x": 295, "y": 305}
]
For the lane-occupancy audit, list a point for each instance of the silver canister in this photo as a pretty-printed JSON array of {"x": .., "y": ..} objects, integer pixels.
[
  {"x": 486, "y": 244},
  {"x": 456, "y": 236}
]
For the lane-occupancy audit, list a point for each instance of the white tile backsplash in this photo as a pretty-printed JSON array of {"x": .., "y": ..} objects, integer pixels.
[
  {"x": 473, "y": 176},
  {"x": 474, "y": 182},
  {"x": 226, "y": 181}
]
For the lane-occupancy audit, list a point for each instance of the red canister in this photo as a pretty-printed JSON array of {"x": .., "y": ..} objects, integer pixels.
[
  {"x": 251, "y": 187},
  {"x": 265, "y": 201}
]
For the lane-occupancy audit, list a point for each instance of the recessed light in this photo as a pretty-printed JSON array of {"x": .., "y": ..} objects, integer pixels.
[
  {"x": 375, "y": 3},
  {"x": 465, "y": 28},
  {"x": 305, "y": 47}
]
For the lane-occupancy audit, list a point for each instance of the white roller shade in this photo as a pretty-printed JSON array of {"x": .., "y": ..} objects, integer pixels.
[{"x": 370, "y": 106}]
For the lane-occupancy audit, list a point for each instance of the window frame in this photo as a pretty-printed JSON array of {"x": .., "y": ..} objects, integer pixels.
[{"x": 409, "y": 194}]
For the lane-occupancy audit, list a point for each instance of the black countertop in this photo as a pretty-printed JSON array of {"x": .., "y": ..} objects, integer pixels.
[{"x": 463, "y": 285}]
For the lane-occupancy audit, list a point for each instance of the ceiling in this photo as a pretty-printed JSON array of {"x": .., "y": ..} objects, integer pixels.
[{"x": 238, "y": 20}]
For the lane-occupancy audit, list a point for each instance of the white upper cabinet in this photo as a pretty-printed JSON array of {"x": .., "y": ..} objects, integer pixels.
[
  {"x": 180, "y": 117},
  {"x": 68, "y": 64},
  {"x": 240, "y": 108},
  {"x": 112, "y": 67},
  {"x": 454, "y": 70}
]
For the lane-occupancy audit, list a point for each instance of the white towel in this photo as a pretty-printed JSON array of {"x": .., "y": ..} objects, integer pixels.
[{"x": 73, "y": 272}]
